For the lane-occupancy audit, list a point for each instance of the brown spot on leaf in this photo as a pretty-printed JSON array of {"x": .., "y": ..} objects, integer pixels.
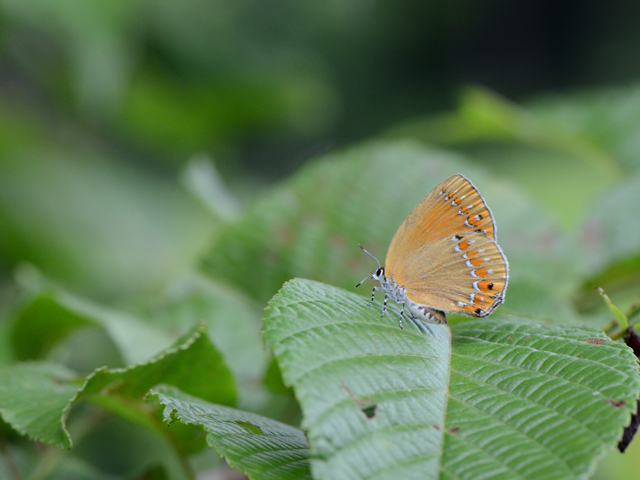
[
  {"x": 453, "y": 430},
  {"x": 437, "y": 427},
  {"x": 616, "y": 403},
  {"x": 250, "y": 427},
  {"x": 595, "y": 341},
  {"x": 366, "y": 405},
  {"x": 510, "y": 338}
]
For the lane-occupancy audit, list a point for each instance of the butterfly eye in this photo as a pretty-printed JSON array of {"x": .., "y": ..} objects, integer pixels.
[{"x": 379, "y": 273}]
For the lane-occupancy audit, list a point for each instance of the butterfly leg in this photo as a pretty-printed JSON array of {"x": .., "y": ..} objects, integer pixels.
[
  {"x": 384, "y": 307},
  {"x": 373, "y": 295},
  {"x": 402, "y": 316}
]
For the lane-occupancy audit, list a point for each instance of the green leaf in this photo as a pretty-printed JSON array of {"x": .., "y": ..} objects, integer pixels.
[
  {"x": 311, "y": 225},
  {"x": 609, "y": 244},
  {"x": 622, "y": 319},
  {"x": 49, "y": 314},
  {"x": 492, "y": 398},
  {"x": 608, "y": 117},
  {"x": 193, "y": 364},
  {"x": 260, "y": 447},
  {"x": 611, "y": 232},
  {"x": 35, "y": 399},
  {"x": 197, "y": 297},
  {"x": 40, "y": 323}
]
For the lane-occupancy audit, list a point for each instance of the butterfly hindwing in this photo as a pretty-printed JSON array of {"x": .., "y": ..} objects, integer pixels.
[{"x": 466, "y": 273}]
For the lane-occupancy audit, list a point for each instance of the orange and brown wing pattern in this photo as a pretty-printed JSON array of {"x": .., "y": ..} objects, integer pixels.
[
  {"x": 463, "y": 273},
  {"x": 454, "y": 206}
]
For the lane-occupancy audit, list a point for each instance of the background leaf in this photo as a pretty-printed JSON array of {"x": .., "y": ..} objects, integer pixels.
[
  {"x": 111, "y": 232},
  {"x": 233, "y": 319},
  {"x": 48, "y": 315},
  {"x": 532, "y": 147},
  {"x": 192, "y": 364},
  {"x": 33, "y": 397}
]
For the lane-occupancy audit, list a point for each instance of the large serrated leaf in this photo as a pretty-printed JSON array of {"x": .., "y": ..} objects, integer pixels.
[
  {"x": 515, "y": 399},
  {"x": 536, "y": 400},
  {"x": 262, "y": 448}
]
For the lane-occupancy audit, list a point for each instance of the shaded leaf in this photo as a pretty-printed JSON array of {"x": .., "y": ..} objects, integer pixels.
[
  {"x": 608, "y": 117},
  {"x": 94, "y": 224},
  {"x": 40, "y": 324},
  {"x": 234, "y": 321},
  {"x": 193, "y": 364},
  {"x": 35, "y": 399},
  {"x": 609, "y": 244},
  {"x": 49, "y": 314},
  {"x": 260, "y": 447}
]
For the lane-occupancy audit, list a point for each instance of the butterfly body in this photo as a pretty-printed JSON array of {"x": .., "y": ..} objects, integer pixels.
[
  {"x": 444, "y": 257},
  {"x": 394, "y": 291}
]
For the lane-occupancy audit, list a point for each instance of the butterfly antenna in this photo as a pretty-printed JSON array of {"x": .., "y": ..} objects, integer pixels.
[
  {"x": 370, "y": 273},
  {"x": 363, "y": 249},
  {"x": 362, "y": 281}
]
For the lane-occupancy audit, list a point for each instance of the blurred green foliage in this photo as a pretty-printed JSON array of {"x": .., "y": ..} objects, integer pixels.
[{"x": 139, "y": 141}]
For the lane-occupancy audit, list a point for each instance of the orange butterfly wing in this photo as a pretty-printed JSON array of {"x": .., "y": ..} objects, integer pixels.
[{"x": 445, "y": 253}]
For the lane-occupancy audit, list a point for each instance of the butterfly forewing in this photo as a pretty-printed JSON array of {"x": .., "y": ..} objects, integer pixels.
[
  {"x": 454, "y": 206},
  {"x": 464, "y": 273}
]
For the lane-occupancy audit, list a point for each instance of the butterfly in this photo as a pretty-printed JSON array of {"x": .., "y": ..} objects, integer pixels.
[{"x": 444, "y": 257}]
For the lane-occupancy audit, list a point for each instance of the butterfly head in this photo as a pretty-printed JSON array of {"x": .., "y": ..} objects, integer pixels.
[{"x": 377, "y": 274}]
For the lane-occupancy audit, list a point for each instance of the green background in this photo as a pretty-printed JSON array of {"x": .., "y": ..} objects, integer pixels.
[{"x": 150, "y": 151}]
